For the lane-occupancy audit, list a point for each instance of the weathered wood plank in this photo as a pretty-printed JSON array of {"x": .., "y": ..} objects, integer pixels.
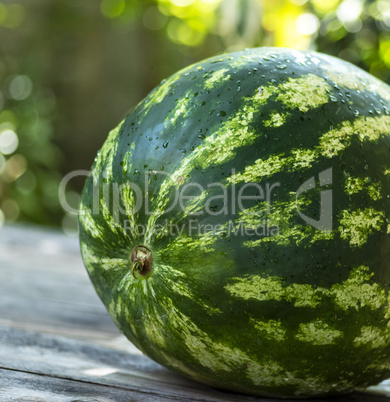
[
  {"x": 44, "y": 286},
  {"x": 20, "y": 386},
  {"x": 67, "y": 359},
  {"x": 59, "y": 357}
]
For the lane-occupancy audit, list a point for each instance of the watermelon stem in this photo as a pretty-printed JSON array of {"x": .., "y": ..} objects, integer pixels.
[{"x": 141, "y": 262}]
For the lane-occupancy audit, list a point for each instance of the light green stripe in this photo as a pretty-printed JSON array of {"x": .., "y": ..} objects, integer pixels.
[
  {"x": 192, "y": 244},
  {"x": 271, "y": 329},
  {"x": 304, "y": 93},
  {"x": 372, "y": 337},
  {"x": 111, "y": 217},
  {"x": 160, "y": 93},
  {"x": 217, "y": 356},
  {"x": 129, "y": 202},
  {"x": 89, "y": 223},
  {"x": 217, "y": 77},
  {"x": 356, "y": 226},
  {"x": 276, "y": 119},
  {"x": 331, "y": 144},
  {"x": 217, "y": 148},
  {"x": 281, "y": 215},
  {"x": 235, "y": 133},
  {"x": 357, "y": 291},
  {"x": 354, "y": 293},
  {"x": 355, "y": 185},
  {"x": 89, "y": 257},
  {"x": 318, "y": 332},
  {"x": 181, "y": 109},
  {"x": 105, "y": 157}
]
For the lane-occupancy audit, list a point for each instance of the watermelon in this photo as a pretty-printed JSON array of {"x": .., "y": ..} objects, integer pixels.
[{"x": 236, "y": 224}]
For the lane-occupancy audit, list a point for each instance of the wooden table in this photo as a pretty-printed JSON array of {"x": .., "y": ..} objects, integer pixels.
[{"x": 57, "y": 342}]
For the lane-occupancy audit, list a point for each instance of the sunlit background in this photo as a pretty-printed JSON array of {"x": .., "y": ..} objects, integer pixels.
[{"x": 70, "y": 70}]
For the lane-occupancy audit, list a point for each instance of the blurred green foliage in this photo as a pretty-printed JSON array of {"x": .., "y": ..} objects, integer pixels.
[{"x": 69, "y": 70}]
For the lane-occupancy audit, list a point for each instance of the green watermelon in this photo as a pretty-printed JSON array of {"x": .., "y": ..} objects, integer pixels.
[{"x": 236, "y": 224}]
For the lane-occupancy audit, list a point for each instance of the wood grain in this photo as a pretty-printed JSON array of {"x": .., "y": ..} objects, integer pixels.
[
  {"x": 84, "y": 362},
  {"x": 44, "y": 286},
  {"x": 21, "y": 386}
]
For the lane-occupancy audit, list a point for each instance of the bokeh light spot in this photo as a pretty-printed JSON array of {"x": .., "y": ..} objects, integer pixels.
[
  {"x": 11, "y": 210},
  {"x": 7, "y": 120},
  {"x": 27, "y": 182},
  {"x": 15, "y": 167},
  {"x": 9, "y": 142},
  {"x": 353, "y": 26},
  {"x": 70, "y": 225},
  {"x": 20, "y": 87},
  {"x": 307, "y": 24},
  {"x": 349, "y": 10},
  {"x": 181, "y": 32},
  {"x": 15, "y": 15},
  {"x": 112, "y": 8}
]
